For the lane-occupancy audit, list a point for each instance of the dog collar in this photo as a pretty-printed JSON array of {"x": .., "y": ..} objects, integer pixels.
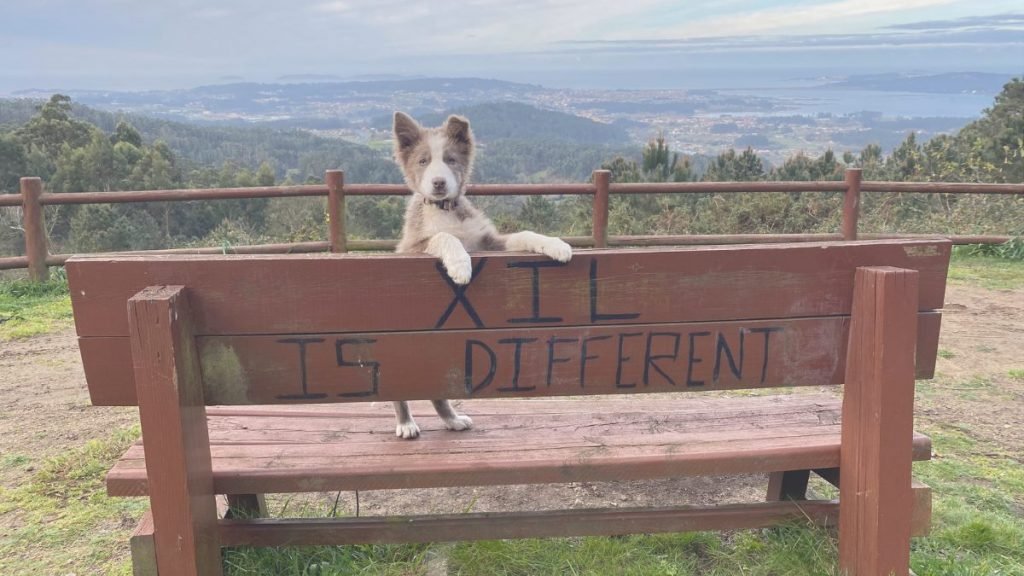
[{"x": 446, "y": 204}]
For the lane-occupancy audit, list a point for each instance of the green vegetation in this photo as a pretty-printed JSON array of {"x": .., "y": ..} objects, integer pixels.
[
  {"x": 62, "y": 521},
  {"x": 977, "y": 531},
  {"x": 61, "y": 517},
  {"x": 31, "y": 308},
  {"x": 75, "y": 149},
  {"x": 986, "y": 271}
]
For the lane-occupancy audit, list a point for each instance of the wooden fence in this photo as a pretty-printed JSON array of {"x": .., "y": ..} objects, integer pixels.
[{"x": 37, "y": 257}]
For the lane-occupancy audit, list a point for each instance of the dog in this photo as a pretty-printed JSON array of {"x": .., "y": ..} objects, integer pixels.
[{"x": 436, "y": 164}]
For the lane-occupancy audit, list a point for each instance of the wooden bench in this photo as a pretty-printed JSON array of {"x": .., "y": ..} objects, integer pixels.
[{"x": 274, "y": 342}]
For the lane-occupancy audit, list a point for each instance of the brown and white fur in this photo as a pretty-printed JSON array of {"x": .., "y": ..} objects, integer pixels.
[{"x": 441, "y": 221}]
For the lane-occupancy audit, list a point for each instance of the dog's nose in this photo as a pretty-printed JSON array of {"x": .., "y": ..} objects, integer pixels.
[{"x": 439, "y": 183}]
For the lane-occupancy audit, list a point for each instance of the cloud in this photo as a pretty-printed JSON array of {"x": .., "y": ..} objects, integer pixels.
[
  {"x": 333, "y": 7},
  {"x": 794, "y": 19},
  {"x": 268, "y": 38},
  {"x": 211, "y": 13},
  {"x": 992, "y": 21}
]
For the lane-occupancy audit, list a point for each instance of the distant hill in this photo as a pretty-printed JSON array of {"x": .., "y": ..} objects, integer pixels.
[
  {"x": 493, "y": 121},
  {"x": 307, "y": 102},
  {"x": 308, "y": 154},
  {"x": 949, "y": 83},
  {"x": 521, "y": 143}
]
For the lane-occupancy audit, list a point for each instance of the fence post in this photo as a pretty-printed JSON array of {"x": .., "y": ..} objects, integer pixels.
[
  {"x": 35, "y": 229},
  {"x": 335, "y": 180},
  {"x": 602, "y": 179},
  {"x": 851, "y": 203}
]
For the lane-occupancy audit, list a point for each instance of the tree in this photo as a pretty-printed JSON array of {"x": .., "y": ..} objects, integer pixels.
[
  {"x": 265, "y": 175},
  {"x": 13, "y": 163},
  {"x": 53, "y": 130},
  {"x": 125, "y": 132},
  {"x": 730, "y": 167}
]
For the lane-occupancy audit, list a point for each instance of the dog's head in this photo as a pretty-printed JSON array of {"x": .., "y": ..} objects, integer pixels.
[{"x": 436, "y": 162}]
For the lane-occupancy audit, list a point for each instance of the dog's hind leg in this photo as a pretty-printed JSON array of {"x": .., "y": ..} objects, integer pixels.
[
  {"x": 452, "y": 419},
  {"x": 406, "y": 427}
]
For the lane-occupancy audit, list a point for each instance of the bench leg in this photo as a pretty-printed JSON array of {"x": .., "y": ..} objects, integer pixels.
[
  {"x": 246, "y": 506},
  {"x": 788, "y": 485},
  {"x": 174, "y": 432},
  {"x": 875, "y": 498},
  {"x": 142, "y": 547}
]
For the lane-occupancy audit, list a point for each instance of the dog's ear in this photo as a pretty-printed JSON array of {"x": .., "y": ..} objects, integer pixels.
[
  {"x": 458, "y": 130},
  {"x": 407, "y": 131}
]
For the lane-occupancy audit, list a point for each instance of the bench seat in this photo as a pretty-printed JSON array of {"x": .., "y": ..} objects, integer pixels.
[{"x": 352, "y": 446}]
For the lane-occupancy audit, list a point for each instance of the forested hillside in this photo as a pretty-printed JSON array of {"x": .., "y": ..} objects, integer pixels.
[
  {"x": 76, "y": 149},
  {"x": 293, "y": 153}
]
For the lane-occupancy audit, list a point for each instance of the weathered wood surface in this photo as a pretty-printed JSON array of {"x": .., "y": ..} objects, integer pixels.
[
  {"x": 878, "y": 417},
  {"x": 423, "y": 365},
  {"x": 173, "y": 421},
  {"x": 301, "y": 294},
  {"x": 143, "y": 549},
  {"x": 353, "y": 447},
  {"x": 546, "y": 524},
  {"x": 304, "y": 307}
]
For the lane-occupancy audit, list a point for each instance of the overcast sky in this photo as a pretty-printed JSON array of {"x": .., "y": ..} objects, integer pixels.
[{"x": 167, "y": 43}]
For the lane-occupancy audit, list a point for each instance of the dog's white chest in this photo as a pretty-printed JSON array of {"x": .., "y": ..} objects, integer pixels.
[{"x": 470, "y": 231}]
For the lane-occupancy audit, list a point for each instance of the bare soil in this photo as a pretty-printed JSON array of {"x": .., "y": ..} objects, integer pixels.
[{"x": 45, "y": 409}]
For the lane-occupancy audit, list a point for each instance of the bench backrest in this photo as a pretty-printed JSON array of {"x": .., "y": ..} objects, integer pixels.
[{"x": 338, "y": 328}]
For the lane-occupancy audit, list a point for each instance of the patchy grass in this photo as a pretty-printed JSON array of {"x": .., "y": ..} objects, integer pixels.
[
  {"x": 947, "y": 354},
  {"x": 978, "y": 521},
  {"x": 792, "y": 550},
  {"x": 61, "y": 521},
  {"x": 987, "y": 271},
  {"x": 32, "y": 308},
  {"x": 978, "y": 530}
]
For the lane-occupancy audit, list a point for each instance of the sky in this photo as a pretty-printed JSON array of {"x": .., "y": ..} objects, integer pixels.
[{"x": 157, "y": 44}]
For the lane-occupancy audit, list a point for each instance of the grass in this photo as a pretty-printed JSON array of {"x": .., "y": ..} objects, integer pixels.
[
  {"x": 30, "y": 308},
  {"x": 61, "y": 521},
  {"x": 978, "y": 530},
  {"x": 987, "y": 271}
]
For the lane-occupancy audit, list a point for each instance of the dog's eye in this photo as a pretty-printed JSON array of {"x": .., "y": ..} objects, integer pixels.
[
  {"x": 423, "y": 161},
  {"x": 449, "y": 160}
]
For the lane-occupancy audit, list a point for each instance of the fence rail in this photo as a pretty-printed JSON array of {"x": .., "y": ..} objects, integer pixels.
[{"x": 37, "y": 258}]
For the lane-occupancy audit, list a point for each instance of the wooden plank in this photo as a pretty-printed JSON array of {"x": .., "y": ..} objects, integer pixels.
[
  {"x": 788, "y": 485},
  {"x": 295, "y": 294},
  {"x": 513, "y": 442},
  {"x": 173, "y": 420},
  {"x": 34, "y": 229},
  {"x": 245, "y": 506},
  {"x": 497, "y": 525},
  {"x": 921, "y": 520},
  {"x": 878, "y": 411},
  {"x": 143, "y": 549},
  {"x": 423, "y": 365}
]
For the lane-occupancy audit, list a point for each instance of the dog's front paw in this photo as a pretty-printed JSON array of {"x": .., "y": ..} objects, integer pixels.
[
  {"x": 459, "y": 422},
  {"x": 460, "y": 269},
  {"x": 407, "y": 430},
  {"x": 556, "y": 249}
]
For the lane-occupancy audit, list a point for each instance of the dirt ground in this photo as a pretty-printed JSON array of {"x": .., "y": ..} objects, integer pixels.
[{"x": 44, "y": 409}]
